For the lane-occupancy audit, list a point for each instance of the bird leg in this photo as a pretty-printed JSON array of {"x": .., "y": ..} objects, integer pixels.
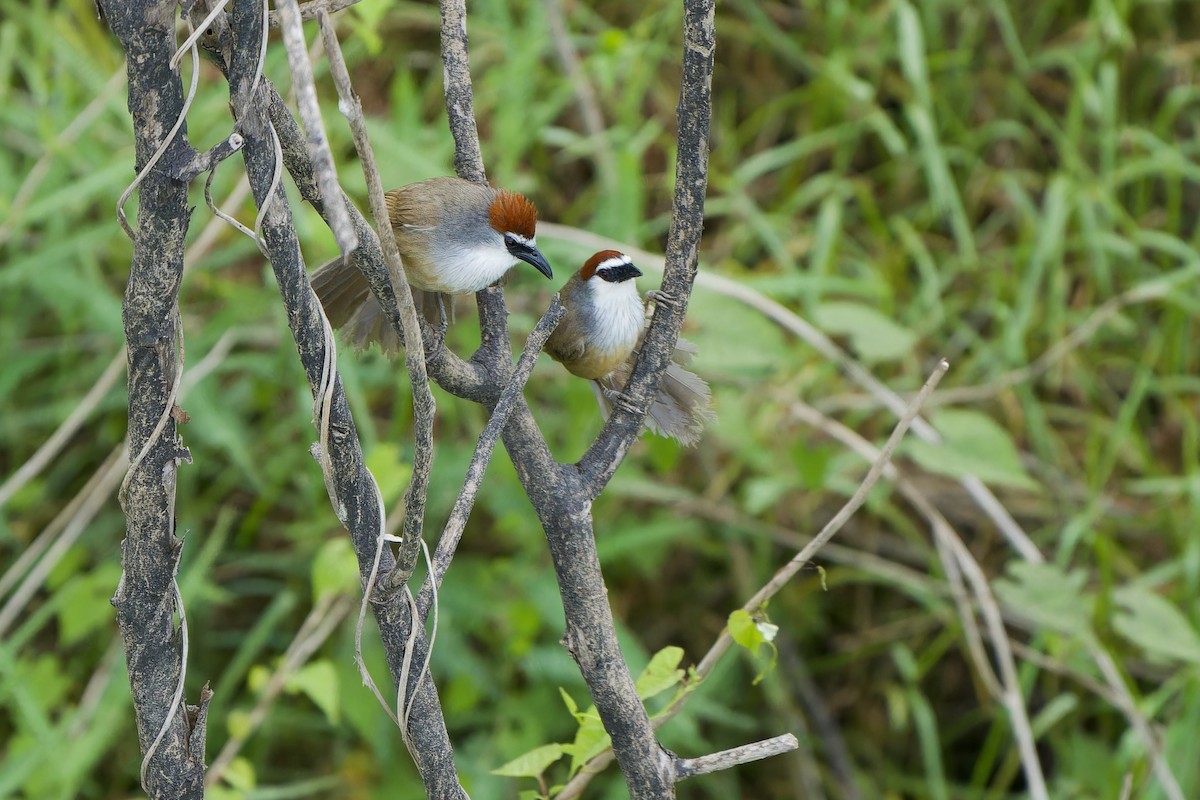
[
  {"x": 660, "y": 298},
  {"x": 622, "y": 400},
  {"x": 443, "y": 317}
]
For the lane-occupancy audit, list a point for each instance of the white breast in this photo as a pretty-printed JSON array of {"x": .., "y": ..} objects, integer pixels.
[
  {"x": 618, "y": 314},
  {"x": 468, "y": 270}
]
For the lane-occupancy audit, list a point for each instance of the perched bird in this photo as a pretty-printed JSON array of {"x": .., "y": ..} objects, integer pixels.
[
  {"x": 599, "y": 338},
  {"x": 454, "y": 236}
]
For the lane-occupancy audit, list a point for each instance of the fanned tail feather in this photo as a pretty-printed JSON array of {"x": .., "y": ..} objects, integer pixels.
[
  {"x": 682, "y": 406},
  {"x": 349, "y": 305}
]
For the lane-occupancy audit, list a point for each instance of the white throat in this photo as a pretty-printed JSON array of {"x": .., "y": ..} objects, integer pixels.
[{"x": 619, "y": 315}]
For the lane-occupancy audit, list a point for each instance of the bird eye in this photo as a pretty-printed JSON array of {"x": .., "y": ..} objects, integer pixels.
[{"x": 510, "y": 240}]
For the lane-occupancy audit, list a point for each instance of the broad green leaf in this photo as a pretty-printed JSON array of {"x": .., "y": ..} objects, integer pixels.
[
  {"x": 531, "y": 764},
  {"x": 973, "y": 444},
  {"x": 318, "y": 680},
  {"x": 1049, "y": 596},
  {"x": 872, "y": 336},
  {"x": 335, "y": 568},
  {"x": 661, "y": 673},
  {"x": 1153, "y": 623}
]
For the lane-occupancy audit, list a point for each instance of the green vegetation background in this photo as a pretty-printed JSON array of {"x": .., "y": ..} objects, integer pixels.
[{"x": 976, "y": 180}]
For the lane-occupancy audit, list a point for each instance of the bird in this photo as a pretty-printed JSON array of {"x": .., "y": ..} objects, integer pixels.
[
  {"x": 454, "y": 236},
  {"x": 599, "y": 338}
]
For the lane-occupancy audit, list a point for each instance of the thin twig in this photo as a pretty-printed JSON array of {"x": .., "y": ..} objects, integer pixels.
[
  {"x": 725, "y": 759},
  {"x": 585, "y": 97},
  {"x": 958, "y": 564},
  {"x": 457, "y": 521},
  {"x": 1159, "y": 288},
  {"x": 312, "y": 9},
  {"x": 460, "y": 104},
  {"x": 424, "y": 408},
  {"x": 310, "y": 115}
]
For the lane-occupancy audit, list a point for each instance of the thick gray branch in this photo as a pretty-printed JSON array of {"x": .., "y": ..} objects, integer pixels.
[{"x": 145, "y": 599}]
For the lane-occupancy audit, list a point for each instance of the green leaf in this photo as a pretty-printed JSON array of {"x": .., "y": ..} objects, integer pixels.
[
  {"x": 590, "y": 740},
  {"x": 569, "y": 702},
  {"x": 1047, "y": 595},
  {"x": 318, "y": 680},
  {"x": 533, "y": 763},
  {"x": 752, "y": 634},
  {"x": 661, "y": 673},
  {"x": 973, "y": 444},
  {"x": 1153, "y": 623},
  {"x": 335, "y": 568},
  {"x": 872, "y": 336}
]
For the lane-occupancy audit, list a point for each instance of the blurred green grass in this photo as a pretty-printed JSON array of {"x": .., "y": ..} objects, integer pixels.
[{"x": 969, "y": 180}]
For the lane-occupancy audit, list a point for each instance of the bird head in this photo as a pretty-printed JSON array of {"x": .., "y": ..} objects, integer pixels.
[
  {"x": 514, "y": 217},
  {"x": 609, "y": 270}
]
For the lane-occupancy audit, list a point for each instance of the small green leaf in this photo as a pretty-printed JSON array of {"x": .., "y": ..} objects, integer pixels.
[
  {"x": 752, "y": 634},
  {"x": 973, "y": 444},
  {"x": 318, "y": 680},
  {"x": 335, "y": 568},
  {"x": 591, "y": 739},
  {"x": 1049, "y": 596},
  {"x": 531, "y": 764},
  {"x": 1153, "y": 623},
  {"x": 661, "y": 673},
  {"x": 569, "y": 702},
  {"x": 744, "y": 631},
  {"x": 872, "y": 336}
]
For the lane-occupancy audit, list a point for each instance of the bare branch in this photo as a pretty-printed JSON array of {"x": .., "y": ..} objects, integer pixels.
[
  {"x": 311, "y": 10},
  {"x": 171, "y": 735},
  {"x": 460, "y": 104},
  {"x": 414, "y": 352},
  {"x": 457, "y": 521},
  {"x": 310, "y": 115},
  {"x": 715, "y": 762}
]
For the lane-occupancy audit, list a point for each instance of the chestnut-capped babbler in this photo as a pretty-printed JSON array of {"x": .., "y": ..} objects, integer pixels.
[
  {"x": 599, "y": 338},
  {"x": 455, "y": 237}
]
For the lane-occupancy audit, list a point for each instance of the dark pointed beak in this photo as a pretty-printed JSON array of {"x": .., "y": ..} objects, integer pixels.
[{"x": 531, "y": 255}]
